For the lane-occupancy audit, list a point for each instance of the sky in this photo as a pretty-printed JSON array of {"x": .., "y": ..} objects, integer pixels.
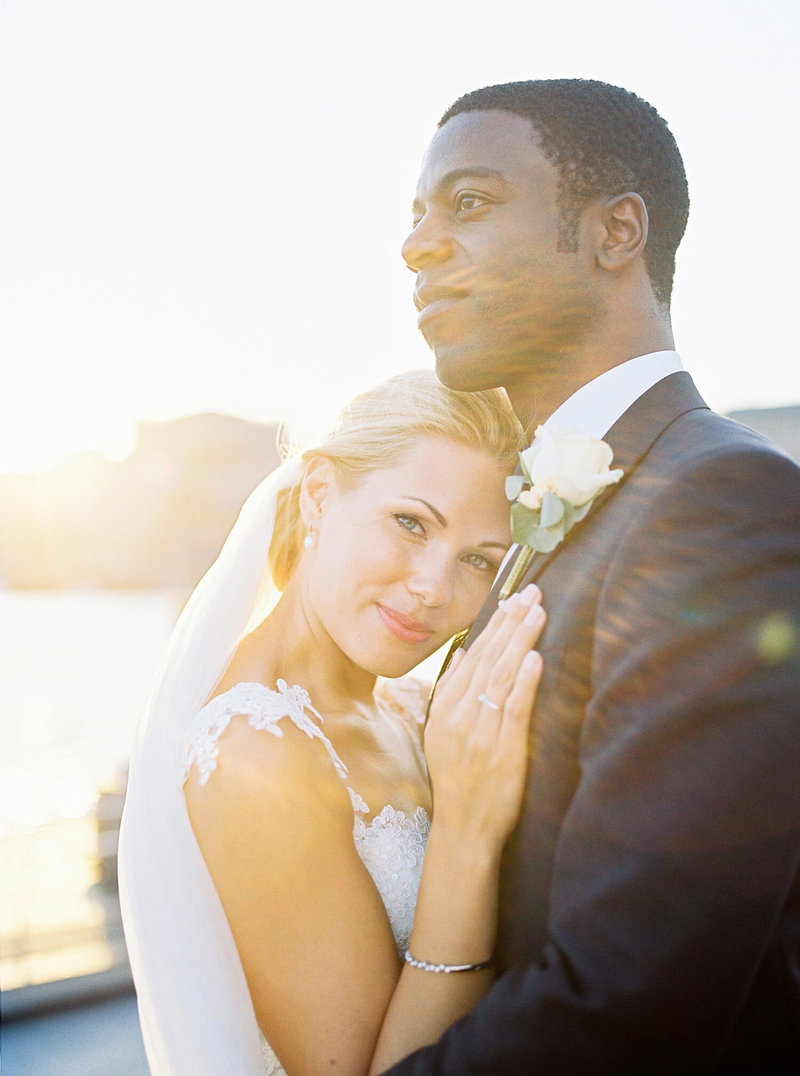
[{"x": 203, "y": 200}]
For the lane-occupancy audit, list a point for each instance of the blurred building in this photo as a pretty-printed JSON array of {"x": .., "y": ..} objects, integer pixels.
[
  {"x": 156, "y": 519},
  {"x": 780, "y": 424}
]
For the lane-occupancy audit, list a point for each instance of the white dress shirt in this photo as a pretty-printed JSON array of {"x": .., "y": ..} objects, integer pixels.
[{"x": 597, "y": 405}]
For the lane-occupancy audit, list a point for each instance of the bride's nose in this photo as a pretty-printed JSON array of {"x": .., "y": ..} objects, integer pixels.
[{"x": 432, "y": 581}]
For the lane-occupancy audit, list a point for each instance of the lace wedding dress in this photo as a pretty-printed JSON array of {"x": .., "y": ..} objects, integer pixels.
[
  {"x": 391, "y": 844},
  {"x": 195, "y": 1011}
]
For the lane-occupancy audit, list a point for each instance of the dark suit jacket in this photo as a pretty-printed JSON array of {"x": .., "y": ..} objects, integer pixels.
[{"x": 650, "y": 907}]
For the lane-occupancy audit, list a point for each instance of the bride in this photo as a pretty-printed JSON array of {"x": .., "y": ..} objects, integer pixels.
[{"x": 279, "y": 801}]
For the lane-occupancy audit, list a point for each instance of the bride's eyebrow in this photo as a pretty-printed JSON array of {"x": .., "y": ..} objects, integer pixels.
[
  {"x": 433, "y": 511},
  {"x": 443, "y": 522}
]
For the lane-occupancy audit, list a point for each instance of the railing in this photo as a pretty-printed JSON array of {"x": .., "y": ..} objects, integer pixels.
[{"x": 61, "y": 939}]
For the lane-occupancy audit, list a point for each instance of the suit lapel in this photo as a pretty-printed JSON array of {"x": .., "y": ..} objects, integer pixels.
[{"x": 631, "y": 438}]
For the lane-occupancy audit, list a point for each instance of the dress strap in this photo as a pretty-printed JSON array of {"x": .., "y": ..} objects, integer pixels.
[
  {"x": 359, "y": 805},
  {"x": 264, "y": 709}
]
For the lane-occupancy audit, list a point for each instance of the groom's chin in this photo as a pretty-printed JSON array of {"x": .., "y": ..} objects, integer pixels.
[{"x": 459, "y": 369}]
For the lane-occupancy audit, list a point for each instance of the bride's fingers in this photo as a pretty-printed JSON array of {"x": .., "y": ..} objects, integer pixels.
[
  {"x": 504, "y": 728},
  {"x": 504, "y": 734},
  {"x": 497, "y": 623},
  {"x": 493, "y": 675},
  {"x": 478, "y": 681},
  {"x": 513, "y": 613},
  {"x": 512, "y": 605},
  {"x": 493, "y": 640},
  {"x": 519, "y": 704}
]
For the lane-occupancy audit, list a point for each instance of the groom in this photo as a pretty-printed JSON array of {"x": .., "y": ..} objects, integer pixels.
[{"x": 650, "y": 908}]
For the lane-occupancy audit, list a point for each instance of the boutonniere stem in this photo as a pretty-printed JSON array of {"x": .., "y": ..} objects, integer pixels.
[
  {"x": 562, "y": 473},
  {"x": 518, "y": 568}
]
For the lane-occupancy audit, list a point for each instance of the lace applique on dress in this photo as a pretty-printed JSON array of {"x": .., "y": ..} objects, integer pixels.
[
  {"x": 391, "y": 846},
  {"x": 407, "y": 698},
  {"x": 263, "y": 708}
]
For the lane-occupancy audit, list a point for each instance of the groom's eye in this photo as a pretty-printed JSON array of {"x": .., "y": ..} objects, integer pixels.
[{"x": 467, "y": 201}]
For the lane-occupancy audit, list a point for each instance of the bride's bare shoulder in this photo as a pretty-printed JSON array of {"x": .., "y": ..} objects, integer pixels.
[{"x": 264, "y": 767}]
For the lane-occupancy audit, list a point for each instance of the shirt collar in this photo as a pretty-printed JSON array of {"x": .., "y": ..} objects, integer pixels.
[{"x": 597, "y": 405}]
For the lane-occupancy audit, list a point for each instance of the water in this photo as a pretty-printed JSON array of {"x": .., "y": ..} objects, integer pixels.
[
  {"x": 75, "y": 672},
  {"x": 76, "y": 668},
  {"x": 98, "y": 1040}
]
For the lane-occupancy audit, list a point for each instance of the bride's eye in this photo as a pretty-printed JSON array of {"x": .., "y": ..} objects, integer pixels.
[
  {"x": 409, "y": 523},
  {"x": 483, "y": 564}
]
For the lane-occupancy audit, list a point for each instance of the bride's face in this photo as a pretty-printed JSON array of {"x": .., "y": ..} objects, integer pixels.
[{"x": 406, "y": 557}]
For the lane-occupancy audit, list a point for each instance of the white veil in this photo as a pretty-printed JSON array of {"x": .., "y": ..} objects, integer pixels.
[{"x": 195, "y": 1009}]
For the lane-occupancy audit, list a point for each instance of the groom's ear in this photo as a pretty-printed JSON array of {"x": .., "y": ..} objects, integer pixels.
[
  {"x": 622, "y": 231},
  {"x": 319, "y": 482}
]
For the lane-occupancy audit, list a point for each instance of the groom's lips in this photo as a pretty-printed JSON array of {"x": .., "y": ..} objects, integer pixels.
[
  {"x": 402, "y": 626},
  {"x": 432, "y": 299}
]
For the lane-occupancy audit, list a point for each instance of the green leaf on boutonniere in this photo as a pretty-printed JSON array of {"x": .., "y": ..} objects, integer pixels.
[
  {"x": 527, "y": 530},
  {"x": 514, "y": 486},
  {"x": 543, "y": 528},
  {"x": 574, "y": 515},
  {"x": 552, "y": 510}
]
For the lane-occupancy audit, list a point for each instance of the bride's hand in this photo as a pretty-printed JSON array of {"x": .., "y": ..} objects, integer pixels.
[{"x": 476, "y": 739}]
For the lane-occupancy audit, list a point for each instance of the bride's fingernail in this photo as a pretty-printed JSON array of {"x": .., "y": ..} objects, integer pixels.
[
  {"x": 529, "y": 594},
  {"x": 534, "y": 615}
]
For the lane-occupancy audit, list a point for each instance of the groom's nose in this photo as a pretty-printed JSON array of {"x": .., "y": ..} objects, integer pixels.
[{"x": 427, "y": 244}]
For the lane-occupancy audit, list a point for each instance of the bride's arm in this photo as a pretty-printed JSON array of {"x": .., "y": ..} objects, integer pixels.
[
  {"x": 275, "y": 826},
  {"x": 477, "y": 757},
  {"x": 276, "y": 830}
]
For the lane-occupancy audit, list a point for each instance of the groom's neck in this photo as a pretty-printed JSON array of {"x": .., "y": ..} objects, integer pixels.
[{"x": 547, "y": 381}]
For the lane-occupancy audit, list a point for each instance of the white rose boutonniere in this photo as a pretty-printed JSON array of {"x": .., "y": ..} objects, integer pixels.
[{"x": 562, "y": 473}]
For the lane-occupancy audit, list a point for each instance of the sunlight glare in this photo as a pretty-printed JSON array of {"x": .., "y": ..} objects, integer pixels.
[{"x": 34, "y": 445}]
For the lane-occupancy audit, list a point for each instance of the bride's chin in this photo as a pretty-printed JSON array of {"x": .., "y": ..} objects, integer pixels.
[
  {"x": 391, "y": 670},
  {"x": 395, "y": 666}
]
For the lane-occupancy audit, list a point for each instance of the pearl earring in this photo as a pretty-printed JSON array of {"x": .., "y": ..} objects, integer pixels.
[{"x": 310, "y": 539}]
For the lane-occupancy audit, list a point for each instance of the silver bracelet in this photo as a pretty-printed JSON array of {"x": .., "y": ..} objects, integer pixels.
[{"x": 423, "y": 965}]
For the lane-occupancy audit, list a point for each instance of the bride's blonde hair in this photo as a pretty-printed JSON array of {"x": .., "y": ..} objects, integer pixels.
[{"x": 379, "y": 425}]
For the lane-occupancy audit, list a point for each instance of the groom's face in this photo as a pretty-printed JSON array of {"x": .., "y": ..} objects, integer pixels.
[{"x": 498, "y": 298}]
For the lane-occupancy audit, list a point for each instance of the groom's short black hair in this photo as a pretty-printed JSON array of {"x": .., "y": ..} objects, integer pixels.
[{"x": 602, "y": 140}]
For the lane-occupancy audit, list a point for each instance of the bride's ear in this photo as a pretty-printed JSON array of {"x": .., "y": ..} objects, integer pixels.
[{"x": 319, "y": 482}]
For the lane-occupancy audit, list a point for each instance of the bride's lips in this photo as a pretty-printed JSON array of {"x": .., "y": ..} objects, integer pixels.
[
  {"x": 402, "y": 626},
  {"x": 432, "y": 299}
]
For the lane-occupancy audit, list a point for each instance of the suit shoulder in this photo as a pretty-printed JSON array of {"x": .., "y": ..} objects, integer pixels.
[
  {"x": 702, "y": 445},
  {"x": 712, "y": 484}
]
